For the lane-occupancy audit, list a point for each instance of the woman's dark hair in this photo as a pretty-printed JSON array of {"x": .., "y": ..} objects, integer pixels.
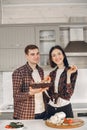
[
  {"x": 30, "y": 47},
  {"x": 65, "y": 61}
]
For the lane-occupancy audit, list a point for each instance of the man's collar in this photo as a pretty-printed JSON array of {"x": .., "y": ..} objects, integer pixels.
[{"x": 29, "y": 68}]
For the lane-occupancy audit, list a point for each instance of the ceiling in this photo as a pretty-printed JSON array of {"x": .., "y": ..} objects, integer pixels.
[{"x": 7, "y": 2}]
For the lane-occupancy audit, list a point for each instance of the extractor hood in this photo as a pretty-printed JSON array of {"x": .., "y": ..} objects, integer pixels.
[
  {"x": 76, "y": 43},
  {"x": 76, "y": 46}
]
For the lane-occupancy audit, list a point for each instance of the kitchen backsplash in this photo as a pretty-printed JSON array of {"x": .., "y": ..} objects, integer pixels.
[{"x": 6, "y": 90}]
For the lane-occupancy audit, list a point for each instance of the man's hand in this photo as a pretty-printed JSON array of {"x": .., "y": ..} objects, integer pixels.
[{"x": 37, "y": 90}]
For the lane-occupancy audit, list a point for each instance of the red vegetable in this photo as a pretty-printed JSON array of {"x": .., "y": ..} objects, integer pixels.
[
  {"x": 68, "y": 121},
  {"x": 8, "y": 126}
]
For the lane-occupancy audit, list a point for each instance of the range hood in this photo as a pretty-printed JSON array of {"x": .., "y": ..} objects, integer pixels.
[
  {"x": 76, "y": 43},
  {"x": 76, "y": 46}
]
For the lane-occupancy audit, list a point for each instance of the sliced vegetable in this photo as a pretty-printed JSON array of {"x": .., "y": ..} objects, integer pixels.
[
  {"x": 8, "y": 126},
  {"x": 68, "y": 121},
  {"x": 14, "y": 125}
]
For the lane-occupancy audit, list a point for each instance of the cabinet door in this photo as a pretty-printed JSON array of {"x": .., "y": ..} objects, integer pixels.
[
  {"x": 13, "y": 40},
  {"x": 46, "y": 37},
  {"x": 11, "y": 59},
  {"x": 16, "y": 36},
  {"x": 64, "y": 36}
]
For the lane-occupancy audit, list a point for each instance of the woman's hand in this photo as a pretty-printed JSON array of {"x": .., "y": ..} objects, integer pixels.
[
  {"x": 47, "y": 79},
  {"x": 72, "y": 69}
]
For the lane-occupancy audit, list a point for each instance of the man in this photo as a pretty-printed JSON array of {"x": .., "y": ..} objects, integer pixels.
[{"x": 28, "y": 101}]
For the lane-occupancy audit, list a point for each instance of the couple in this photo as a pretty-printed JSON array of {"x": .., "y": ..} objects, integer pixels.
[{"x": 41, "y": 103}]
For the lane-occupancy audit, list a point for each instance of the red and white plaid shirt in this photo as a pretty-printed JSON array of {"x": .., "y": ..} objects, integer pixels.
[{"x": 24, "y": 104}]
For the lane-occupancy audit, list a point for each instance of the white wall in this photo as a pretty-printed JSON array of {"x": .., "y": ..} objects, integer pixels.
[
  {"x": 7, "y": 88},
  {"x": 80, "y": 93}
]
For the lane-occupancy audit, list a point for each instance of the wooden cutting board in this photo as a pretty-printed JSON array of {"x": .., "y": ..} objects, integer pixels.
[{"x": 76, "y": 123}]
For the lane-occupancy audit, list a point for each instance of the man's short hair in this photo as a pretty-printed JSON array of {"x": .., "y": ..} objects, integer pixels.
[{"x": 30, "y": 47}]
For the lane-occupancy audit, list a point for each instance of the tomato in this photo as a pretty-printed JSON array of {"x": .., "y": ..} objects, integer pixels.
[
  {"x": 65, "y": 120},
  {"x": 8, "y": 126},
  {"x": 68, "y": 121},
  {"x": 47, "y": 79}
]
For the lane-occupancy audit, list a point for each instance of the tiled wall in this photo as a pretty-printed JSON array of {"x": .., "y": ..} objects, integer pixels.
[
  {"x": 80, "y": 92},
  {"x": 7, "y": 88},
  {"x": 79, "y": 96}
]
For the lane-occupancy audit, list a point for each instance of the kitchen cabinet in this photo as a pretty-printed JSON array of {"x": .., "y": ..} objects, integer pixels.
[
  {"x": 16, "y": 36},
  {"x": 11, "y": 59},
  {"x": 73, "y": 37},
  {"x": 79, "y": 109},
  {"x": 46, "y": 37},
  {"x": 64, "y": 36},
  {"x": 61, "y": 34},
  {"x": 6, "y": 116},
  {"x": 72, "y": 32},
  {"x": 13, "y": 39},
  {"x": 85, "y": 34}
]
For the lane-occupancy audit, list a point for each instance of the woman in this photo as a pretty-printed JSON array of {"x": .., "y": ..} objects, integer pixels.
[{"x": 63, "y": 79}]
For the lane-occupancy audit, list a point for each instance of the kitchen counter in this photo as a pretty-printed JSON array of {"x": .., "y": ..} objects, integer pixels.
[
  {"x": 6, "y": 108},
  {"x": 38, "y": 124},
  {"x": 6, "y": 112}
]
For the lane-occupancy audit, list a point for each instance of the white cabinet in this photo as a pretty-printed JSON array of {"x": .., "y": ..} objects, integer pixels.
[
  {"x": 11, "y": 59},
  {"x": 16, "y": 36},
  {"x": 47, "y": 40},
  {"x": 46, "y": 37},
  {"x": 64, "y": 36},
  {"x": 72, "y": 32},
  {"x": 85, "y": 34},
  {"x": 60, "y": 34},
  {"x": 77, "y": 53},
  {"x": 13, "y": 40}
]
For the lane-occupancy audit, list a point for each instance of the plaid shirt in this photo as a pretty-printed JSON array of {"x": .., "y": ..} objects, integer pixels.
[
  {"x": 24, "y": 104},
  {"x": 65, "y": 90}
]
